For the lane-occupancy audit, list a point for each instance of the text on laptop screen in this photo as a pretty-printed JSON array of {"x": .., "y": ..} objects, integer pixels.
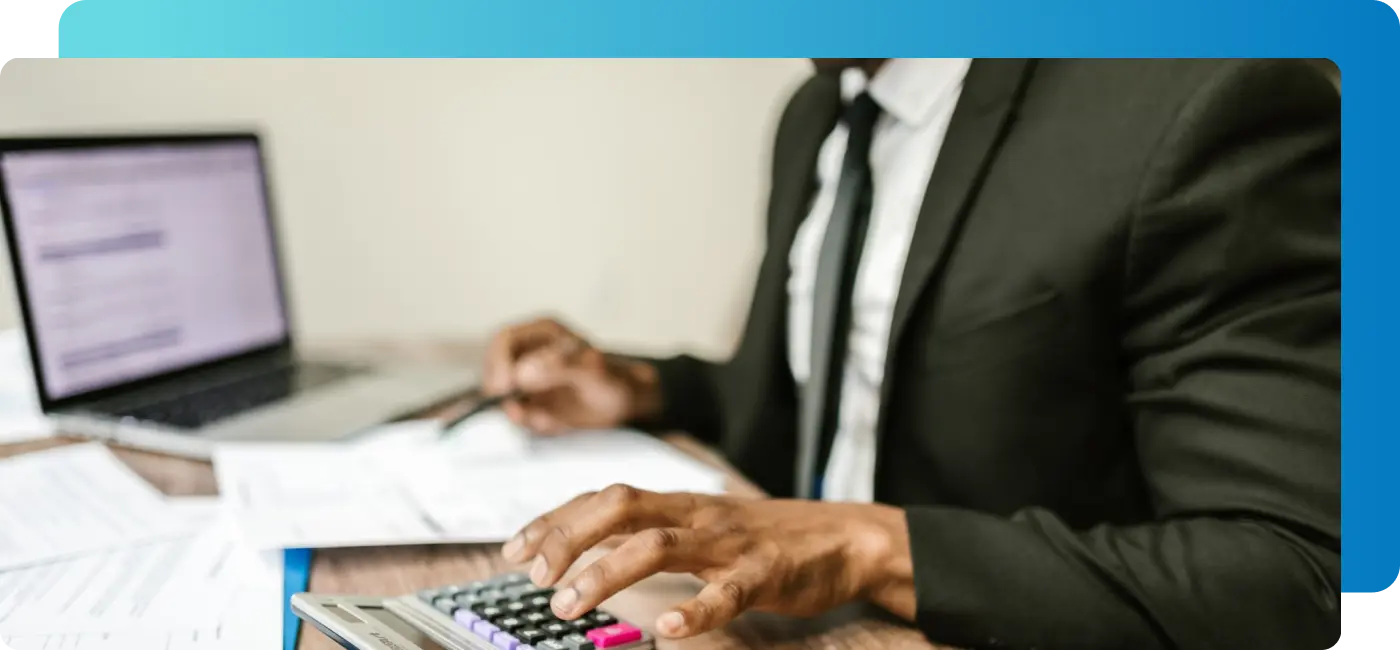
[{"x": 143, "y": 259}]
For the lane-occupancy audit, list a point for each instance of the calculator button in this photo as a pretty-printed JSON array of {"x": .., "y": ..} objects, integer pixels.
[
  {"x": 467, "y": 599},
  {"x": 485, "y": 629},
  {"x": 512, "y": 579},
  {"x": 538, "y": 602},
  {"x": 491, "y": 595},
  {"x": 490, "y": 611},
  {"x": 577, "y": 642},
  {"x": 504, "y": 641},
  {"x": 557, "y": 629},
  {"x": 532, "y": 635},
  {"x": 603, "y": 618},
  {"x": 519, "y": 591},
  {"x": 614, "y": 635},
  {"x": 536, "y": 591},
  {"x": 582, "y": 624},
  {"x": 510, "y": 624},
  {"x": 550, "y": 644},
  {"x": 445, "y": 605},
  {"x": 537, "y": 619},
  {"x": 517, "y": 607},
  {"x": 466, "y": 618}
]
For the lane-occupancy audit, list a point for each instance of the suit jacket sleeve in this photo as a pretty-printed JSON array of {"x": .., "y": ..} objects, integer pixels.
[{"x": 1231, "y": 339}]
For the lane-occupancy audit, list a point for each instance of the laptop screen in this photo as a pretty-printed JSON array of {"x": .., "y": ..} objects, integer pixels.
[{"x": 142, "y": 259}]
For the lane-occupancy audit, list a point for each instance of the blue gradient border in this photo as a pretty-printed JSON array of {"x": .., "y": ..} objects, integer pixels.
[{"x": 1359, "y": 35}]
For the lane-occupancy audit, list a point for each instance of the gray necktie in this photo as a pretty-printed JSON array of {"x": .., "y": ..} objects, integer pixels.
[{"x": 831, "y": 298}]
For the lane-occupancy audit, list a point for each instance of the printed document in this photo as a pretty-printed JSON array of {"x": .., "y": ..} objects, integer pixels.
[
  {"x": 200, "y": 591},
  {"x": 75, "y": 499},
  {"x": 328, "y": 495}
]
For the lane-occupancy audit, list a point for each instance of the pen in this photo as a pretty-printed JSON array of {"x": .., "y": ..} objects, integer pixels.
[{"x": 486, "y": 404}]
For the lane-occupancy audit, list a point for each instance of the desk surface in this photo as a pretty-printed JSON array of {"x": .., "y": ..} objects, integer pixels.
[{"x": 395, "y": 570}]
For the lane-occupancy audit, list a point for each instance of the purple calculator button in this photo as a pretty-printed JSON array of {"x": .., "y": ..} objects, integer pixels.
[
  {"x": 484, "y": 629},
  {"x": 465, "y": 618},
  {"x": 505, "y": 641}
]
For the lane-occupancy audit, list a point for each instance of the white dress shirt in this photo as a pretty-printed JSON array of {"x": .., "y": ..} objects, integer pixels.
[{"x": 917, "y": 97}]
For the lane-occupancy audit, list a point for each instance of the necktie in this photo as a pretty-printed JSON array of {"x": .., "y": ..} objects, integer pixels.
[{"x": 832, "y": 295}]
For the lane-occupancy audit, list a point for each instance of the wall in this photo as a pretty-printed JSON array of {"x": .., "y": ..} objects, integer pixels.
[{"x": 443, "y": 198}]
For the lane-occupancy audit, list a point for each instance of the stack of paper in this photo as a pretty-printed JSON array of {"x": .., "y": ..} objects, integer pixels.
[
  {"x": 472, "y": 487},
  {"x": 95, "y": 559}
]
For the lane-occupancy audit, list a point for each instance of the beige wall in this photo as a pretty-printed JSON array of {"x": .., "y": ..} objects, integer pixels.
[{"x": 431, "y": 198}]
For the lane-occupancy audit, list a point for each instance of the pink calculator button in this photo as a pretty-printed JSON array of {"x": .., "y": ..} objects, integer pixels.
[{"x": 614, "y": 635}]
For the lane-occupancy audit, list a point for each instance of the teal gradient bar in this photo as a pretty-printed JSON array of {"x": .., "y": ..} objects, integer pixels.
[{"x": 1361, "y": 36}]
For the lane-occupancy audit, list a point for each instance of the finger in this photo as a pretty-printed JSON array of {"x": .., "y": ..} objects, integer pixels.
[
  {"x": 715, "y": 606},
  {"x": 574, "y": 529},
  {"x": 550, "y": 366},
  {"x": 515, "y": 412},
  {"x": 651, "y": 551},
  {"x": 508, "y": 345},
  {"x": 540, "y": 420},
  {"x": 525, "y": 543}
]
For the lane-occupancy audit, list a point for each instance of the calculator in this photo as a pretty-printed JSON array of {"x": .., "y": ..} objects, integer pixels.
[{"x": 507, "y": 612}]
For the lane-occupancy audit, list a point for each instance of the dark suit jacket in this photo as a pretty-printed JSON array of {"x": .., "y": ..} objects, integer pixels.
[{"x": 1112, "y": 401}]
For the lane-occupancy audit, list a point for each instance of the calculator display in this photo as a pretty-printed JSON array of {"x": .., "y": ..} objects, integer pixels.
[{"x": 393, "y": 622}]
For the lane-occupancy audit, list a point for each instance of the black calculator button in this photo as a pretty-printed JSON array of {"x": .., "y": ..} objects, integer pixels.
[
  {"x": 540, "y": 602},
  {"x": 531, "y": 635},
  {"x": 603, "y": 618},
  {"x": 551, "y": 644},
  {"x": 510, "y": 623},
  {"x": 490, "y": 612},
  {"x": 537, "y": 619},
  {"x": 582, "y": 624},
  {"x": 577, "y": 642},
  {"x": 512, "y": 579},
  {"x": 557, "y": 629},
  {"x": 445, "y": 605},
  {"x": 517, "y": 607}
]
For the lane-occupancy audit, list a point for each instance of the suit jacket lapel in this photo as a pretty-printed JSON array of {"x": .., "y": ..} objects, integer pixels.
[
  {"x": 795, "y": 176},
  {"x": 763, "y": 353},
  {"x": 984, "y": 114}
]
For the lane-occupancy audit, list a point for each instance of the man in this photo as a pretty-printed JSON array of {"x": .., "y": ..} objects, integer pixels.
[{"x": 1055, "y": 343}]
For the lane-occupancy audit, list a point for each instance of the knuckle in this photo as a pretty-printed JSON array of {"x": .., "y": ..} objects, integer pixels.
[
  {"x": 725, "y": 527},
  {"x": 702, "y": 610},
  {"x": 619, "y": 494},
  {"x": 558, "y": 537},
  {"x": 661, "y": 540},
  {"x": 735, "y": 593},
  {"x": 593, "y": 578}
]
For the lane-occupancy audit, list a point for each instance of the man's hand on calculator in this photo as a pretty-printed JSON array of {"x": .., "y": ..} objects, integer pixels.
[{"x": 782, "y": 556}]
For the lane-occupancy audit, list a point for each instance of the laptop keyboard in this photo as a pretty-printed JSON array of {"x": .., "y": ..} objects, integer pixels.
[{"x": 198, "y": 409}]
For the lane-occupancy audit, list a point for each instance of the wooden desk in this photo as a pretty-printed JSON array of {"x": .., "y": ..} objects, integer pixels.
[{"x": 396, "y": 570}]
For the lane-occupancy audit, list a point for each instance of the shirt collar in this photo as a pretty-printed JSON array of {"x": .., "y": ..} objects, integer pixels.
[{"x": 907, "y": 89}]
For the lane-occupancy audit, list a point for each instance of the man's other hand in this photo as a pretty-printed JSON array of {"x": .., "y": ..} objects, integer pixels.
[
  {"x": 565, "y": 382},
  {"x": 789, "y": 557}
]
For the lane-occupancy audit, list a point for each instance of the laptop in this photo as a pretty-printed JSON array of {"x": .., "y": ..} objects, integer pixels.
[{"x": 150, "y": 287}]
